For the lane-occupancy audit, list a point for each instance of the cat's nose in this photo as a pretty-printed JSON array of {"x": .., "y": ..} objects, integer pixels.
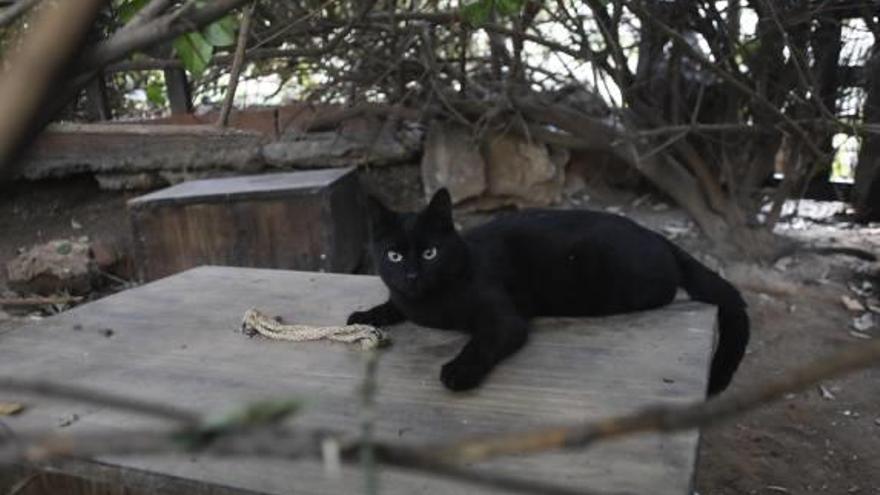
[{"x": 412, "y": 276}]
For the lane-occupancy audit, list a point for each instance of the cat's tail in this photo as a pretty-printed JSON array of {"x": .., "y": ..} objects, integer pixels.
[{"x": 704, "y": 285}]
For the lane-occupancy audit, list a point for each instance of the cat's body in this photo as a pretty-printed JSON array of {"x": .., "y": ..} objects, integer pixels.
[{"x": 491, "y": 280}]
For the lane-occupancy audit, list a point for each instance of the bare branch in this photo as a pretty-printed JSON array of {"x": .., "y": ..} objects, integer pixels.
[
  {"x": 72, "y": 392},
  {"x": 159, "y": 30},
  {"x": 45, "y": 51},
  {"x": 237, "y": 62},
  {"x": 16, "y": 10}
]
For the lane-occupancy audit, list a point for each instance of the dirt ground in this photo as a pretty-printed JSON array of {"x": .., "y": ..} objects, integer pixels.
[{"x": 817, "y": 441}]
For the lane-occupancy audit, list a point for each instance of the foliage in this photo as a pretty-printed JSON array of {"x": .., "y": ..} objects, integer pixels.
[{"x": 194, "y": 49}]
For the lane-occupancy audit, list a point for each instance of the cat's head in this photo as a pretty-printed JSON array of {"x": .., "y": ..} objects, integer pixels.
[{"x": 416, "y": 253}]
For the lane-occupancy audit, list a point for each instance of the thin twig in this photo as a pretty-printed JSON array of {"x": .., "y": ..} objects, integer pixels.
[
  {"x": 664, "y": 418},
  {"x": 444, "y": 459},
  {"x": 368, "y": 418},
  {"x": 237, "y": 62},
  {"x": 72, "y": 392},
  {"x": 636, "y": 7}
]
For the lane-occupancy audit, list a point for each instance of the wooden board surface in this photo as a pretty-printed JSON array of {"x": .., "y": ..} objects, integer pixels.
[
  {"x": 261, "y": 186},
  {"x": 176, "y": 340}
]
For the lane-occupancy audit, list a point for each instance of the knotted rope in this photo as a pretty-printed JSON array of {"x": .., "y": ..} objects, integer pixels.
[{"x": 369, "y": 337}]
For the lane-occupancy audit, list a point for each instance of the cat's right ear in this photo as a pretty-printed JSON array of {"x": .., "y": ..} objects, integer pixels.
[{"x": 381, "y": 218}]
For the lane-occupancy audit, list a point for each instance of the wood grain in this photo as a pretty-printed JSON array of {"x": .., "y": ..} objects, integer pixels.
[
  {"x": 310, "y": 220},
  {"x": 175, "y": 340}
]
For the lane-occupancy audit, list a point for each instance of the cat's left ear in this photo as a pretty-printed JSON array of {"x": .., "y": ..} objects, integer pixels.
[{"x": 440, "y": 208}]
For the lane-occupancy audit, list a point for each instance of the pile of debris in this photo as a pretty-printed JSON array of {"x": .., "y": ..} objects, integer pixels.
[{"x": 63, "y": 271}]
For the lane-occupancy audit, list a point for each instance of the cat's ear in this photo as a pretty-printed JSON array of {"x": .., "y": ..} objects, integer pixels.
[
  {"x": 381, "y": 218},
  {"x": 439, "y": 209}
]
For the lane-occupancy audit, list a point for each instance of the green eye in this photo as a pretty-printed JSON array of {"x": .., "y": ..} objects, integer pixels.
[
  {"x": 395, "y": 257},
  {"x": 429, "y": 253}
]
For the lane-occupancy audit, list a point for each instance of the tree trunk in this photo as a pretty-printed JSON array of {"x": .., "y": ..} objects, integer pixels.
[{"x": 867, "y": 186}]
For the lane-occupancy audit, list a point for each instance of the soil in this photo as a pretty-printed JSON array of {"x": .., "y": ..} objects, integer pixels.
[{"x": 814, "y": 441}]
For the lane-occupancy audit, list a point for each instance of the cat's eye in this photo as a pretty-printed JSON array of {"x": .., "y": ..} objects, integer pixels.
[
  {"x": 429, "y": 253},
  {"x": 395, "y": 257}
]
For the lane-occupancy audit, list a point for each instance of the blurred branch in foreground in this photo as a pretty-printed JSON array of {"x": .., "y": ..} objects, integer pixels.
[{"x": 256, "y": 432}]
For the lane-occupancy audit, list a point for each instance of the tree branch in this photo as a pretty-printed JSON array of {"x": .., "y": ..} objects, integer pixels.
[
  {"x": 16, "y": 10},
  {"x": 72, "y": 392},
  {"x": 160, "y": 29},
  {"x": 237, "y": 62},
  {"x": 45, "y": 52}
]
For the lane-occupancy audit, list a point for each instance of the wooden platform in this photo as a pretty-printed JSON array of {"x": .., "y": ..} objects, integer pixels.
[{"x": 176, "y": 340}]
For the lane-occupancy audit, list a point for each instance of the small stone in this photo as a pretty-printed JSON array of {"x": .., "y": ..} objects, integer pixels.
[
  {"x": 877, "y": 421},
  {"x": 825, "y": 393},
  {"x": 75, "y": 225},
  {"x": 107, "y": 332},
  {"x": 68, "y": 420},
  {"x": 783, "y": 263},
  {"x": 864, "y": 322}
]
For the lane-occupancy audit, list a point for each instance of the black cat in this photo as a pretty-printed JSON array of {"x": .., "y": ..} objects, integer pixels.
[{"x": 491, "y": 280}]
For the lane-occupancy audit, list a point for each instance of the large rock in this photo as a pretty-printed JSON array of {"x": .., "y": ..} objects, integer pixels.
[
  {"x": 387, "y": 143},
  {"x": 452, "y": 159},
  {"x": 524, "y": 173},
  {"x": 57, "y": 266}
]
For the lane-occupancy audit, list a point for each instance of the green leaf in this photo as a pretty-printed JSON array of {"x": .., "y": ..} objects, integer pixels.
[
  {"x": 128, "y": 8},
  {"x": 478, "y": 12},
  {"x": 507, "y": 8},
  {"x": 194, "y": 51},
  {"x": 156, "y": 93},
  {"x": 221, "y": 33}
]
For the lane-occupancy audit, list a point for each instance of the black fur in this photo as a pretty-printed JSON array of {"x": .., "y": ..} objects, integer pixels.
[{"x": 491, "y": 280}]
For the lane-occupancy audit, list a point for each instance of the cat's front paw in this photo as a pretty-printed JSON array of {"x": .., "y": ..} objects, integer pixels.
[
  {"x": 361, "y": 318},
  {"x": 459, "y": 375}
]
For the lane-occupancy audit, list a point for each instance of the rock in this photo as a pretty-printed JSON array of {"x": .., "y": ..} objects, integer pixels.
[
  {"x": 452, "y": 159},
  {"x": 56, "y": 266},
  {"x": 525, "y": 173},
  {"x": 783, "y": 263},
  {"x": 384, "y": 146},
  {"x": 825, "y": 393},
  {"x": 864, "y": 322}
]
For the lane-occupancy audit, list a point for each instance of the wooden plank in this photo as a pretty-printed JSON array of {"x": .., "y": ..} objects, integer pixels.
[
  {"x": 310, "y": 220},
  {"x": 245, "y": 187},
  {"x": 175, "y": 340}
]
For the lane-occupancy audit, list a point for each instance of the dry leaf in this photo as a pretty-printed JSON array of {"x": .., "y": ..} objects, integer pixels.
[
  {"x": 826, "y": 394},
  {"x": 852, "y": 303},
  {"x": 10, "y": 408}
]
